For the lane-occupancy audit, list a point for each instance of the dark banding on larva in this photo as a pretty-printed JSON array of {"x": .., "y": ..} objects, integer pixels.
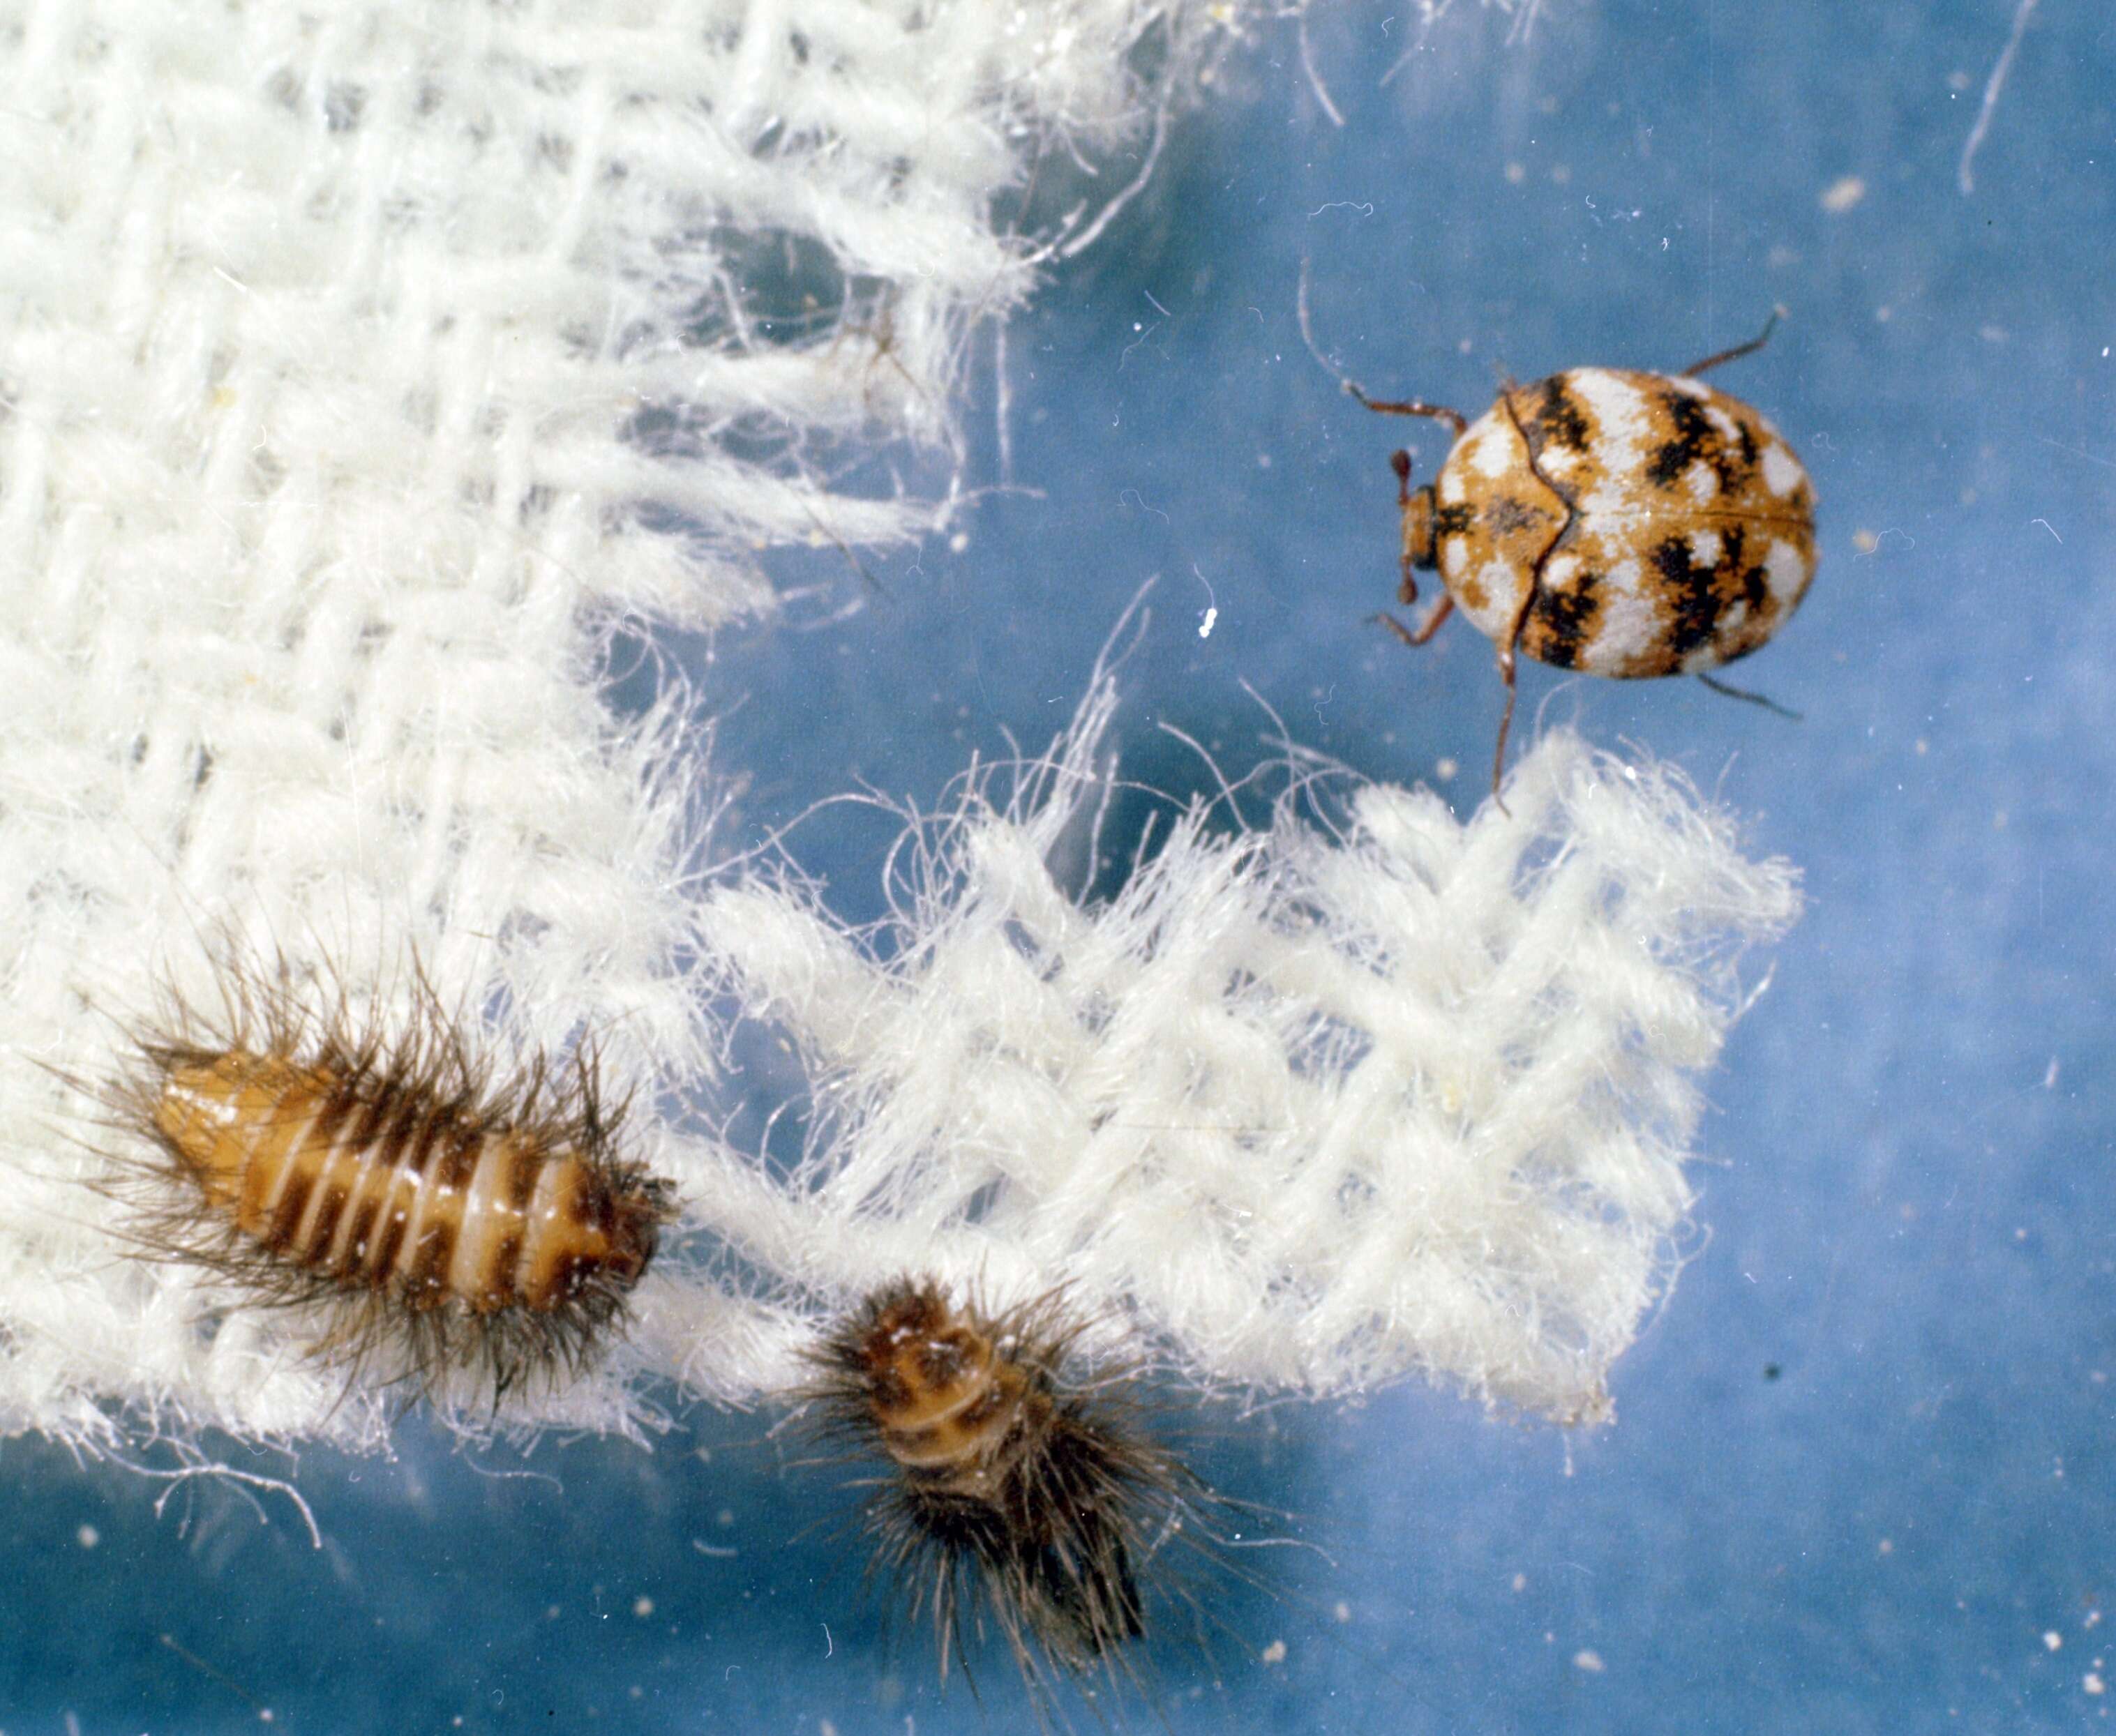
[
  {"x": 440, "y": 1219},
  {"x": 1019, "y": 1496}
]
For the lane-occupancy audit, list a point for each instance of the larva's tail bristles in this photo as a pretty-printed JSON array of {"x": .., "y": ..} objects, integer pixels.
[
  {"x": 1018, "y": 1501},
  {"x": 446, "y": 1223}
]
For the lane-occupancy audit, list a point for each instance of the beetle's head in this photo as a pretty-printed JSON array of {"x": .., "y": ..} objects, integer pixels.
[{"x": 1417, "y": 515}]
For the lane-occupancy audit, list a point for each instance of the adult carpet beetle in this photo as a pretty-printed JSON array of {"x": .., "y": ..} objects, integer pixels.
[{"x": 1614, "y": 522}]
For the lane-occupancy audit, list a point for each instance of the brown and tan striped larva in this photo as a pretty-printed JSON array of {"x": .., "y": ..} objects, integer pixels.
[
  {"x": 1017, "y": 1495},
  {"x": 436, "y": 1214}
]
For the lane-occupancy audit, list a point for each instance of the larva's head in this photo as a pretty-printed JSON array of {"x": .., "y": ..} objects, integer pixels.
[
  {"x": 915, "y": 1354},
  {"x": 209, "y": 1107},
  {"x": 943, "y": 1400},
  {"x": 621, "y": 1213}
]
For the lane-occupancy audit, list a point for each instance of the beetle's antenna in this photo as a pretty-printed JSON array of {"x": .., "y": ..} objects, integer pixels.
[
  {"x": 1963, "y": 177},
  {"x": 1455, "y": 420},
  {"x": 1740, "y": 350},
  {"x": 1307, "y": 331},
  {"x": 1765, "y": 701}
]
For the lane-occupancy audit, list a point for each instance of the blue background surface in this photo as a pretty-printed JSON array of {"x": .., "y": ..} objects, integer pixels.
[{"x": 1863, "y": 1465}]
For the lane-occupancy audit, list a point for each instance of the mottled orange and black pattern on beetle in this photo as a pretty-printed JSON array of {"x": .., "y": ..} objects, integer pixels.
[
  {"x": 1620, "y": 523},
  {"x": 1019, "y": 1496},
  {"x": 436, "y": 1215}
]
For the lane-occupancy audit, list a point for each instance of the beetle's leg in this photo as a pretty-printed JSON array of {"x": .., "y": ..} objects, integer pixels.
[
  {"x": 1754, "y": 699},
  {"x": 1412, "y": 407},
  {"x": 1507, "y": 650},
  {"x": 1506, "y": 725},
  {"x": 1426, "y": 628},
  {"x": 1739, "y": 351},
  {"x": 1506, "y": 660}
]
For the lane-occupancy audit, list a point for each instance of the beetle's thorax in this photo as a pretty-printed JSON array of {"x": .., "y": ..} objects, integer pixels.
[{"x": 1417, "y": 529}]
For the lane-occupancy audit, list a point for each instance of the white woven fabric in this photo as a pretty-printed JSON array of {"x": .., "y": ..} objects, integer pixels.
[
  {"x": 1315, "y": 1111},
  {"x": 350, "y": 357},
  {"x": 355, "y": 363}
]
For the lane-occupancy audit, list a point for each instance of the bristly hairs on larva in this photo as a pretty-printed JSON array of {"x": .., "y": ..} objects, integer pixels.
[
  {"x": 1019, "y": 1492},
  {"x": 457, "y": 1223}
]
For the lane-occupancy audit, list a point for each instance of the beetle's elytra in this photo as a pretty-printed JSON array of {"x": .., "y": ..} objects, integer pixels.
[{"x": 1614, "y": 522}]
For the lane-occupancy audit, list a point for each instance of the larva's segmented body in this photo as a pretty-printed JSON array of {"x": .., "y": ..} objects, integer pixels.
[
  {"x": 437, "y": 1219},
  {"x": 370, "y": 1184},
  {"x": 1019, "y": 1496}
]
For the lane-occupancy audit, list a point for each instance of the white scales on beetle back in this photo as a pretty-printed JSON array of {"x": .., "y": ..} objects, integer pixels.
[
  {"x": 1622, "y": 524},
  {"x": 1606, "y": 520}
]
